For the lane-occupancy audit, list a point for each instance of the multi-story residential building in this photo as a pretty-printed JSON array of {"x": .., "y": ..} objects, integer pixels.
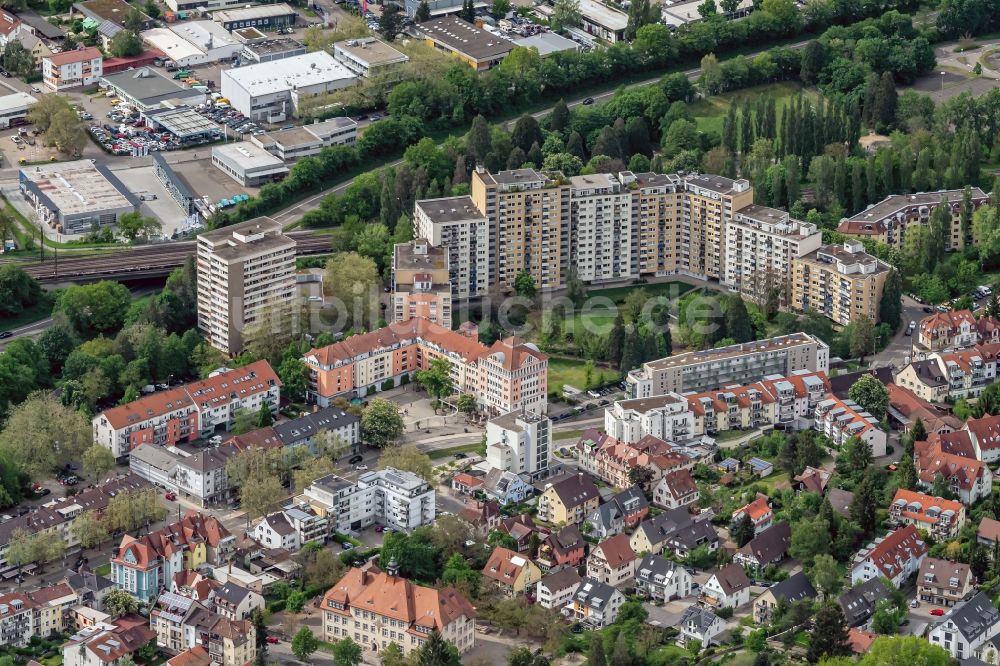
[
  {"x": 456, "y": 224},
  {"x": 601, "y": 226},
  {"x": 509, "y": 376},
  {"x": 568, "y": 500},
  {"x": 401, "y": 500},
  {"x": 145, "y": 565},
  {"x": 52, "y": 606},
  {"x": 168, "y": 615},
  {"x": 594, "y": 604},
  {"x": 513, "y": 574},
  {"x": 656, "y": 204},
  {"x": 736, "y": 364},
  {"x": 346, "y": 506},
  {"x": 520, "y": 442},
  {"x": 842, "y": 419},
  {"x": 767, "y": 547},
  {"x": 700, "y": 624},
  {"x": 953, "y": 457},
  {"x": 613, "y": 461},
  {"x": 246, "y": 282},
  {"x": 968, "y": 628},
  {"x": 191, "y": 411},
  {"x": 305, "y": 431},
  {"x": 676, "y": 489},
  {"x": 666, "y": 417},
  {"x": 952, "y": 330},
  {"x": 674, "y": 530},
  {"x": 760, "y": 512},
  {"x": 708, "y": 204},
  {"x": 612, "y": 561},
  {"x": 887, "y": 220},
  {"x": 943, "y": 583},
  {"x": 860, "y": 602},
  {"x": 557, "y": 589},
  {"x": 761, "y": 246},
  {"x": 108, "y": 644},
  {"x": 421, "y": 282},
  {"x": 729, "y": 587},
  {"x": 506, "y": 487},
  {"x": 793, "y": 589},
  {"x": 943, "y": 376},
  {"x": 291, "y": 528},
  {"x": 565, "y": 547},
  {"x": 940, "y": 518},
  {"x": 181, "y": 624},
  {"x": 661, "y": 580},
  {"x": 376, "y": 608},
  {"x": 17, "y": 613},
  {"x": 73, "y": 68},
  {"x": 529, "y": 215},
  {"x": 842, "y": 282},
  {"x": 896, "y": 556},
  {"x": 623, "y": 511}
]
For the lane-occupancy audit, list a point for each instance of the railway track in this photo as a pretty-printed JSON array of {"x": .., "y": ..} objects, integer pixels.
[{"x": 150, "y": 260}]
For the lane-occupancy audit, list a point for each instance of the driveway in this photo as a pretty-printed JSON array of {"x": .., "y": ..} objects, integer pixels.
[{"x": 900, "y": 348}]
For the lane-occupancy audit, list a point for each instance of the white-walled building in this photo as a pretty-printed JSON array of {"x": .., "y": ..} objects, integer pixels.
[
  {"x": 70, "y": 69},
  {"x": 367, "y": 56},
  {"x": 520, "y": 442},
  {"x": 458, "y": 225},
  {"x": 601, "y": 209},
  {"x": 298, "y": 142},
  {"x": 349, "y": 507},
  {"x": 193, "y": 43},
  {"x": 401, "y": 500},
  {"x": 272, "y": 93},
  {"x": 667, "y": 417},
  {"x": 842, "y": 419},
  {"x": 15, "y": 107},
  {"x": 248, "y": 163}
]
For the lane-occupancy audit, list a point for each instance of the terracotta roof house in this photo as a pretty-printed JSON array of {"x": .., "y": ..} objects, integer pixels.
[
  {"x": 811, "y": 480},
  {"x": 367, "y": 600},
  {"x": 465, "y": 483},
  {"x": 956, "y": 329},
  {"x": 727, "y": 588},
  {"x": 512, "y": 573},
  {"x": 906, "y": 407},
  {"x": 759, "y": 511},
  {"x": 484, "y": 516},
  {"x": 941, "y": 518},
  {"x": 946, "y": 455},
  {"x": 519, "y": 528},
  {"x": 860, "y": 640},
  {"x": 676, "y": 489},
  {"x": 565, "y": 547},
  {"x": 196, "y": 656},
  {"x": 612, "y": 561},
  {"x": 768, "y": 547},
  {"x": 896, "y": 556}
]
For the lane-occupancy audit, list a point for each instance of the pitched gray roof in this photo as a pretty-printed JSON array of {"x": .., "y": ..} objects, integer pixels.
[
  {"x": 702, "y": 617},
  {"x": 563, "y": 579},
  {"x": 794, "y": 588},
  {"x": 771, "y": 544},
  {"x": 654, "y": 565},
  {"x": 859, "y": 601},
  {"x": 974, "y": 617},
  {"x": 231, "y": 593},
  {"x": 304, "y": 427},
  {"x": 594, "y": 594}
]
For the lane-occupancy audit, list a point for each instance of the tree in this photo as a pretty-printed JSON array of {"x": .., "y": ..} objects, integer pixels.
[
  {"x": 423, "y": 12},
  {"x": 559, "y": 118},
  {"x": 829, "y": 634},
  {"x": 918, "y": 433},
  {"x": 640, "y": 13},
  {"x": 118, "y": 602},
  {"x": 346, "y": 653},
  {"x": 18, "y": 290},
  {"x": 436, "y": 651},
  {"x": 565, "y": 14},
  {"x": 891, "y": 306},
  {"x": 294, "y": 376},
  {"x": 392, "y": 655},
  {"x": 408, "y": 459},
  {"x": 355, "y": 285},
  {"x": 597, "y": 656},
  {"x": 134, "y": 225},
  {"x": 862, "y": 339},
  {"x": 871, "y": 394},
  {"x": 151, "y": 9},
  {"x": 500, "y": 8},
  {"x": 125, "y": 44},
  {"x": 89, "y": 529},
  {"x": 737, "y": 320},
  {"x": 95, "y": 308},
  {"x": 131, "y": 509},
  {"x": 67, "y": 132},
  {"x": 526, "y": 132},
  {"x": 45, "y": 109},
  {"x": 259, "y": 496},
  {"x": 826, "y": 576},
  {"x": 98, "y": 461},
  {"x": 381, "y": 423},
  {"x": 42, "y": 435},
  {"x": 391, "y": 22},
  {"x": 524, "y": 284},
  {"x": 742, "y": 529},
  {"x": 864, "y": 505},
  {"x": 436, "y": 379},
  {"x": 304, "y": 644}
]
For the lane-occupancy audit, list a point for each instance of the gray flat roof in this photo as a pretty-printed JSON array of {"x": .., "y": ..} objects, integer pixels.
[
  {"x": 147, "y": 86},
  {"x": 184, "y": 122},
  {"x": 450, "y": 209},
  {"x": 465, "y": 38},
  {"x": 372, "y": 51},
  {"x": 548, "y": 42}
]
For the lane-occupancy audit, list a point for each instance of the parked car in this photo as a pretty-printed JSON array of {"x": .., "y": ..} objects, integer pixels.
[
  {"x": 937, "y": 612},
  {"x": 172, "y": 496},
  {"x": 911, "y": 328},
  {"x": 42, "y": 492},
  {"x": 588, "y": 101},
  {"x": 273, "y": 640},
  {"x": 355, "y": 459},
  {"x": 928, "y": 310},
  {"x": 5, "y": 334},
  {"x": 347, "y": 545},
  {"x": 361, "y": 468}
]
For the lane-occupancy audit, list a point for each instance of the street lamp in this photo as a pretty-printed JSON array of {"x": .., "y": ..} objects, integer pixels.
[{"x": 942, "y": 81}]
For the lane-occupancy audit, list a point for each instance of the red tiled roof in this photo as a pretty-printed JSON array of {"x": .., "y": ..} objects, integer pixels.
[
  {"x": 617, "y": 551},
  {"x": 504, "y": 565},
  {"x": 888, "y": 555},
  {"x": 679, "y": 483},
  {"x": 76, "y": 55},
  {"x": 986, "y": 430},
  {"x": 921, "y": 502},
  {"x": 758, "y": 509}
]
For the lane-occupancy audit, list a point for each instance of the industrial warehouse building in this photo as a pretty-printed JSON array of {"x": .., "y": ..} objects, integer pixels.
[
  {"x": 145, "y": 89},
  {"x": 258, "y": 47},
  {"x": 193, "y": 42},
  {"x": 367, "y": 56},
  {"x": 74, "y": 197},
  {"x": 174, "y": 184},
  {"x": 271, "y": 93},
  {"x": 248, "y": 164},
  {"x": 478, "y": 48},
  {"x": 265, "y": 17},
  {"x": 298, "y": 142},
  {"x": 14, "y": 108}
]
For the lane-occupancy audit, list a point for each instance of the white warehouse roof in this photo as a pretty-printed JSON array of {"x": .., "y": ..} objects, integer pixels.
[
  {"x": 289, "y": 73},
  {"x": 18, "y": 100}
]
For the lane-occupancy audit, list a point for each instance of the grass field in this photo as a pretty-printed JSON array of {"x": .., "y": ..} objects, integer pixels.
[
  {"x": 437, "y": 454},
  {"x": 564, "y": 371},
  {"x": 709, "y": 113}
]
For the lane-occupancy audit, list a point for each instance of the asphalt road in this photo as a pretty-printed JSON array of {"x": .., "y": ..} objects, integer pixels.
[{"x": 900, "y": 347}]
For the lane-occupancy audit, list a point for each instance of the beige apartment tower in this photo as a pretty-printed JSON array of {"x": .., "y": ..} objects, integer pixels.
[
  {"x": 455, "y": 224},
  {"x": 420, "y": 283},
  {"x": 708, "y": 204},
  {"x": 529, "y": 216},
  {"x": 245, "y": 272},
  {"x": 842, "y": 282}
]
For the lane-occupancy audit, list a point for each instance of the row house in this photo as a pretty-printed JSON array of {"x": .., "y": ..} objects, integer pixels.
[
  {"x": 612, "y": 461},
  {"x": 53, "y": 604},
  {"x": 943, "y": 583},
  {"x": 612, "y": 561},
  {"x": 896, "y": 556},
  {"x": 952, "y": 456},
  {"x": 375, "y": 608},
  {"x": 842, "y": 419},
  {"x": 951, "y": 375},
  {"x": 623, "y": 511},
  {"x": 189, "y": 412},
  {"x": 509, "y": 376},
  {"x": 955, "y": 330},
  {"x": 940, "y": 518}
]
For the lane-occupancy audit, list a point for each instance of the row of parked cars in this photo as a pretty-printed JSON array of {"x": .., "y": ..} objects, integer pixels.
[{"x": 231, "y": 118}]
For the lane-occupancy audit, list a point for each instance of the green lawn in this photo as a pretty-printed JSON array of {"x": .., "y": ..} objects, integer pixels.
[
  {"x": 567, "y": 434},
  {"x": 709, "y": 113},
  {"x": 37, "y": 312},
  {"x": 437, "y": 454},
  {"x": 103, "y": 570},
  {"x": 565, "y": 371}
]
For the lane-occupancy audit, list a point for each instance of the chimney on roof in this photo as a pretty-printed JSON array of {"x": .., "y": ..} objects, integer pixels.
[{"x": 393, "y": 568}]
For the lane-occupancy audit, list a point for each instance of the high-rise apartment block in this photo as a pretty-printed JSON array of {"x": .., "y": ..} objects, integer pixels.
[
  {"x": 706, "y": 205},
  {"x": 457, "y": 225},
  {"x": 843, "y": 282},
  {"x": 601, "y": 234},
  {"x": 246, "y": 274},
  {"x": 421, "y": 286},
  {"x": 761, "y": 244},
  {"x": 520, "y": 442}
]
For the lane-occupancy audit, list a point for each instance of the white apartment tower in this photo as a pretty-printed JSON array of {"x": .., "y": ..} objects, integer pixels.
[
  {"x": 246, "y": 274},
  {"x": 520, "y": 442},
  {"x": 601, "y": 229},
  {"x": 456, "y": 224}
]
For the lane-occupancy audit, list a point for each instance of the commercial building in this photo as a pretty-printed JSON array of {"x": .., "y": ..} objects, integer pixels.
[
  {"x": 420, "y": 283},
  {"x": 478, "y": 48},
  {"x": 69, "y": 69},
  {"x": 183, "y": 122},
  {"x": 189, "y": 412},
  {"x": 510, "y": 375},
  {"x": 520, "y": 442},
  {"x": 761, "y": 245},
  {"x": 75, "y": 197},
  {"x": 735, "y": 364},
  {"x": 264, "y": 17},
  {"x": 547, "y": 43},
  {"x": 367, "y": 56},
  {"x": 258, "y": 47},
  {"x": 193, "y": 43},
  {"x": 887, "y": 220},
  {"x": 843, "y": 282},
  {"x": 197, "y": 6},
  {"x": 602, "y": 21},
  {"x": 14, "y": 109},
  {"x": 145, "y": 89},
  {"x": 306, "y": 141},
  {"x": 376, "y": 608},
  {"x": 248, "y": 163},
  {"x": 272, "y": 94},
  {"x": 455, "y": 223},
  {"x": 246, "y": 275}
]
